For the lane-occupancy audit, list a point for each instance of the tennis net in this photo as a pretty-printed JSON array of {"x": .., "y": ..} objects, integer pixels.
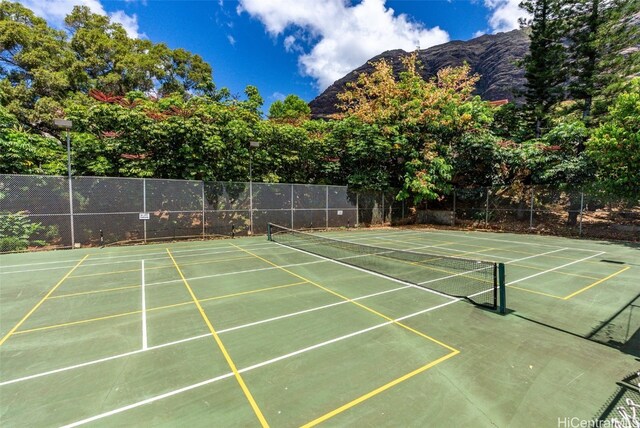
[{"x": 474, "y": 280}]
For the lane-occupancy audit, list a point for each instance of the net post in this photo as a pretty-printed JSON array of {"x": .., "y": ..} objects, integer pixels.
[
  {"x": 269, "y": 232},
  {"x": 502, "y": 289}
]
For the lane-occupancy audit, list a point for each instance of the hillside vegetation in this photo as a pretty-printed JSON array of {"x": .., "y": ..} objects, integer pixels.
[{"x": 141, "y": 109}]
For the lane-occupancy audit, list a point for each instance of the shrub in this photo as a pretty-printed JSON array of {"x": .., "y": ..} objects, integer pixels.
[{"x": 16, "y": 230}]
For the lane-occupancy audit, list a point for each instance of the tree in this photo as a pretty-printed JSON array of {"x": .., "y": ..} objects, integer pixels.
[
  {"x": 114, "y": 63},
  {"x": 422, "y": 121},
  {"x": 617, "y": 42},
  {"x": 615, "y": 146},
  {"x": 545, "y": 63},
  {"x": 22, "y": 152},
  {"x": 35, "y": 64},
  {"x": 603, "y": 36},
  {"x": 292, "y": 110}
]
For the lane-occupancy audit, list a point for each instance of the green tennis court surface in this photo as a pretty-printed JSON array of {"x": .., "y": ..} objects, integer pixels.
[{"x": 247, "y": 332}]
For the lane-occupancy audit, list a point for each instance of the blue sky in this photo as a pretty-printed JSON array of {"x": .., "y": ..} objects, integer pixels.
[{"x": 293, "y": 46}]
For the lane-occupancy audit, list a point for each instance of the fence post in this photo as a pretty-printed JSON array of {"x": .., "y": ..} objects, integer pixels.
[
  {"x": 203, "y": 213},
  {"x": 581, "y": 210},
  {"x": 486, "y": 209},
  {"x": 533, "y": 189},
  {"x": 326, "y": 207},
  {"x": 357, "y": 209},
  {"x": 144, "y": 208},
  {"x": 292, "y": 206},
  {"x": 383, "y": 213},
  {"x": 73, "y": 236},
  {"x": 250, "y": 207},
  {"x": 454, "y": 207}
]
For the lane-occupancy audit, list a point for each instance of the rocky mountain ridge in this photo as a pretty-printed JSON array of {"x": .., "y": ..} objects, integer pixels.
[{"x": 493, "y": 56}]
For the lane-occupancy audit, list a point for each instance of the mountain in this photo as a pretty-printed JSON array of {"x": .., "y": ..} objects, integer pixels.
[{"x": 493, "y": 57}]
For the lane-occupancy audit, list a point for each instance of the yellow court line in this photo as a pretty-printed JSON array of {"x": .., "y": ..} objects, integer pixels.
[
  {"x": 227, "y": 357},
  {"x": 82, "y": 293},
  {"x": 596, "y": 283},
  {"x": 157, "y": 308},
  {"x": 328, "y": 290},
  {"x": 149, "y": 248},
  {"x": 510, "y": 250},
  {"x": 535, "y": 292},
  {"x": 15, "y": 327},
  {"x": 67, "y": 324},
  {"x": 556, "y": 271},
  {"x": 386, "y": 386},
  {"x": 260, "y": 290},
  {"x": 157, "y": 267},
  {"x": 377, "y": 391},
  {"x": 431, "y": 268}
]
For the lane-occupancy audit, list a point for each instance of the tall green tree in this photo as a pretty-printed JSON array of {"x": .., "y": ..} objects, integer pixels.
[
  {"x": 615, "y": 146},
  {"x": 545, "y": 63},
  {"x": 113, "y": 62},
  {"x": 618, "y": 45},
  {"x": 603, "y": 40},
  {"x": 585, "y": 18},
  {"x": 35, "y": 64}
]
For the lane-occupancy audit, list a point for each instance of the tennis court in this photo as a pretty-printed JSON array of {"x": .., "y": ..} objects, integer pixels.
[{"x": 249, "y": 332}]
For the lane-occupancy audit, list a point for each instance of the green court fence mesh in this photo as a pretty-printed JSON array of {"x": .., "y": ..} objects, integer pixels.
[{"x": 107, "y": 209}]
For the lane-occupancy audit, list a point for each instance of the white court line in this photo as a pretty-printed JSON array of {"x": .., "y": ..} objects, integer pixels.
[
  {"x": 101, "y": 360},
  {"x": 535, "y": 255},
  {"x": 149, "y": 400},
  {"x": 249, "y": 368},
  {"x": 289, "y": 249},
  {"x": 529, "y": 244},
  {"x": 129, "y": 257},
  {"x": 306, "y": 311},
  {"x": 555, "y": 268},
  {"x": 126, "y": 354},
  {"x": 204, "y": 251},
  {"x": 144, "y": 312},
  {"x": 337, "y": 261},
  {"x": 406, "y": 285},
  {"x": 455, "y": 250}
]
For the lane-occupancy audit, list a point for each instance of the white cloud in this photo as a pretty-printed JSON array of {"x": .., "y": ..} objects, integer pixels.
[
  {"x": 232, "y": 40},
  {"x": 504, "y": 14},
  {"x": 278, "y": 96},
  {"x": 130, "y": 23},
  {"x": 478, "y": 34},
  {"x": 341, "y": 36},
  {"x": 54, "y": 11},
  {"x": 289, "y": 43}
]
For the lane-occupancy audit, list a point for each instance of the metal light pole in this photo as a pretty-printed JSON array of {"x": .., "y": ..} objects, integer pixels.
[
  {"x": 251, "y": 145},
  {"x": 66, "y": 125}
]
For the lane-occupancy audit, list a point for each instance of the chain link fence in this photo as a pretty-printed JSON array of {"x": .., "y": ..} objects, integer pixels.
[
  {"x": 539, "y": 209},
  {"x": 37, "y": 210}
]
